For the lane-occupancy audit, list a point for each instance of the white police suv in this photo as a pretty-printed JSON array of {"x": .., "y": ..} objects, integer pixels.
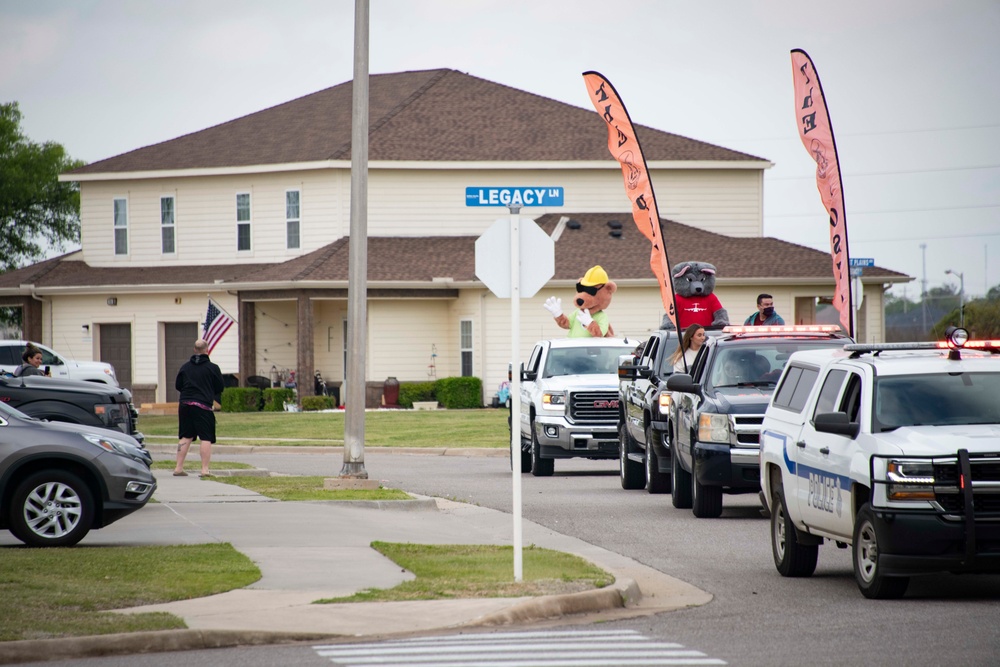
[{"x": 893, "y": 449}]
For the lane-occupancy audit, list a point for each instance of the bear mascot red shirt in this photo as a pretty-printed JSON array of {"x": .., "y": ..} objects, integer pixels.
[{"x": 694, "y": 292}]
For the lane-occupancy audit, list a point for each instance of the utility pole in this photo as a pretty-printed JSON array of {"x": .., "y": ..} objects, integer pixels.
[
  {"x": 357, "y": 286},
  {"x": 923, "y": 289}
]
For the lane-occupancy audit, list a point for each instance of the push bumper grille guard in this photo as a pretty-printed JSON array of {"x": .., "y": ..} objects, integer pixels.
[{"x": 954, "y": 476}]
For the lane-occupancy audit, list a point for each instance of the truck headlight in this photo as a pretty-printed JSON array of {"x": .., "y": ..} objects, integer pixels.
[
  {"x": 910, "y": 480},
  {"x": 713, "y": 428},
  {"x": 554, "y": 401},
  {"x": 664, "y": 403}
]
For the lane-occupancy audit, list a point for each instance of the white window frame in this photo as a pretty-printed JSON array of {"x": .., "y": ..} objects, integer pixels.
[
  {"x": 295, "y": 220},
  {"x": 463, "y": 349},
  {"x": 248, "y": 223},
  {"x": 119, "y": 250},
  {"x": 170, "y": 226}
]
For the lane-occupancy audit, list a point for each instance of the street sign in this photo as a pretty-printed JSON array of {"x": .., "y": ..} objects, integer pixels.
[
  {"x": 857, "y": 271},
  {"x": 521, "y": 196},
  {"x": 861, "y": 261},
  {"x": 537, "y": 257}
]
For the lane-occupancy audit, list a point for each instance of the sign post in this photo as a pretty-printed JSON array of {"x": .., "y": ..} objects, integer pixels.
[
  {"x": 857, "y": 266},
  {"x": 515, "y": 258}
]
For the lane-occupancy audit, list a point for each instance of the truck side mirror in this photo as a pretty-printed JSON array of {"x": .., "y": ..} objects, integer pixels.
[
  {"x": 527, "y": 376},
  {"x": 837, "y": 423},
  {"x": 683, "y": 382}
]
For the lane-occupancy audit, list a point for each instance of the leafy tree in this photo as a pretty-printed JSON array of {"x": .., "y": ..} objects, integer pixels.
[
  {"x": 34, "y": 206},
  {"x": 899, "y": 304},
  {"x": 982, "y": 319}
]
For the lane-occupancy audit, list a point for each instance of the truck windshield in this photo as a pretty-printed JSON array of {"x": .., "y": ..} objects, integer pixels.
[
  {"x": 584, "y": 360},
  {"x": 758, "y": 364},
  {"x": 937, "y": 399}
]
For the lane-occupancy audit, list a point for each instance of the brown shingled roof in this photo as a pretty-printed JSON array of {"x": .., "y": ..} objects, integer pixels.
[
  {"x": 420, "y": 259},
  {"x": 432, "y": 115}
]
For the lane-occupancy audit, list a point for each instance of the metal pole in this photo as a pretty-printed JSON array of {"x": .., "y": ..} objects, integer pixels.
[
  {"x": 357, "y": 286},
  {"x": 515, "y": 386}
]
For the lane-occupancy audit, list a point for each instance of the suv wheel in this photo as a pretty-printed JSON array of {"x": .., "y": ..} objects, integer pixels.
[
  {"x": 539, "y": 467},
  {"x": 680, "y": 482},
  {"x": 867, "y": 568},
  {"x": 706, "y": 501},
  {"x": 630, "y": 472},
  {"x": 791, "y": 558},
  {"x": 656, "y": 481},
  {"x": 51, "y": 508}
]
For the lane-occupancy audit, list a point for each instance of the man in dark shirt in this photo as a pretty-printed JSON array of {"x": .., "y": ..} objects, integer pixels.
[{"x": 200, "y": 383}]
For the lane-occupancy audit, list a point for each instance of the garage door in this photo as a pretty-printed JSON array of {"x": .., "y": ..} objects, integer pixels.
[
  {"x": 116, "y": 349},
  {"x": 179, "y": 338}
]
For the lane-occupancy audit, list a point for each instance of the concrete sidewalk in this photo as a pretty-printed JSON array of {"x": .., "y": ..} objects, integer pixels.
[{"x": 312, "y": 550}]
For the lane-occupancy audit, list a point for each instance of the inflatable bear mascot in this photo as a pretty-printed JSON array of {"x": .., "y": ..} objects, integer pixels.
[
  {"x": 593, "y": 296},
  {"x": 694, "y": 292}
]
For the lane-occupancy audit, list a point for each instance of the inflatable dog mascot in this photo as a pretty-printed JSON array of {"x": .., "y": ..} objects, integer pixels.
[
  {"x": 593, "y": 296},
  {"x": 694, "y": 291}
]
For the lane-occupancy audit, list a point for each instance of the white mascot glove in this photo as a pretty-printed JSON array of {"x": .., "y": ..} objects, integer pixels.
[
  {"x": 583, "y": 318},
  {"x": 553, "y": 305}
]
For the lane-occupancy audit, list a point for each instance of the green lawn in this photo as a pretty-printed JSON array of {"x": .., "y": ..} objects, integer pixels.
[
  {"x": 48, "y": 593},
  {"x": 385, "y": 428}
]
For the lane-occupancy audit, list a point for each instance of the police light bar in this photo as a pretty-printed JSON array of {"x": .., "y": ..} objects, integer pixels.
[{"x": 773, "y": 328}]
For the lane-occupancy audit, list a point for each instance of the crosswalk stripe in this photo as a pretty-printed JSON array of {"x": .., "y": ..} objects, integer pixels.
[{"x": 614, "y": 648}]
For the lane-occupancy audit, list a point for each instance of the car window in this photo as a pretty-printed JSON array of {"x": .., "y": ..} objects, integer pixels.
[
  {"x": 938, "y": 399},
  {"x": 8, "y": 357},
  {"x": 795, "y": 388},
  {"x": 533, "y": 359},
  {"x": 595, "y": 360},
  {"x": 49, "y": 359},
  {"x": 851, "y": 403},
  {"x": 650, "y": 352},
  {"x": 827, "y": 400}
]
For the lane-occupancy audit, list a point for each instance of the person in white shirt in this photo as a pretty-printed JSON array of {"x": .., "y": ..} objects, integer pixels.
[{"x": 691, "y": 342}]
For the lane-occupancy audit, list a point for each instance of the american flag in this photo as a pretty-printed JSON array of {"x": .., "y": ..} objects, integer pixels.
[{"x": 217, "y": 323}]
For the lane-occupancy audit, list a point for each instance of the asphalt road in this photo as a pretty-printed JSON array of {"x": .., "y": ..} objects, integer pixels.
[{"x": 757, "y": 616}]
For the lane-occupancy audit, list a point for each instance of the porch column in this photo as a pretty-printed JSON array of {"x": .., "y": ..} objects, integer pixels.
[
  {"x": 247, "y": 313},
  {"x": 304, "y": 356}
]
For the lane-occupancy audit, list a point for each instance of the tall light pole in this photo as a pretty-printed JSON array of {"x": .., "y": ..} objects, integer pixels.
[
  {"x": 357, "y": 286},
  {"x": 961, "y": 295}
]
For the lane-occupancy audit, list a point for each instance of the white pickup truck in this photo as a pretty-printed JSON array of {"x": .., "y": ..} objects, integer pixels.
[
  {"x": 569, "y": 401},
  {"x": 58, "y": 366},
  {"x": 893, "y": 449}
]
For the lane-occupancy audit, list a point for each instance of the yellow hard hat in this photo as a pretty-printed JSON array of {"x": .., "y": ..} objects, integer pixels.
[{"x": 595, "y": 276}]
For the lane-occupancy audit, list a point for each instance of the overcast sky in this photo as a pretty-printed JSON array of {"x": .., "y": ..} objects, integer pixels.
[{"x": 912, "y": 87}]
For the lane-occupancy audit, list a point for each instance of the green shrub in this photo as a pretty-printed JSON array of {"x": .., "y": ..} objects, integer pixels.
[
  {"x": 459, "y": 392},
  {"x": 415, "y": 391},
  {"x": 240, "y": 399},
  {"x": 317, "y": 403},
  {"x": 275, "y": 399}
]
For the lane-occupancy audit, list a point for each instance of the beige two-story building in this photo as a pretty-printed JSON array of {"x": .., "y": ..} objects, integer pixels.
[{"x": 255, "y": 213}]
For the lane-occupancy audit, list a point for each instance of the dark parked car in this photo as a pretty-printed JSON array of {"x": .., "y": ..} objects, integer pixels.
[
  {"x": 58, "y": 481},
  {"x": 72, "y": 401}
]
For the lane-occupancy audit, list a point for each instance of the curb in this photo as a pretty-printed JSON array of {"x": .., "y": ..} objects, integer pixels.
[
  {"x": 547, "y": 607},
  {"x": 218, "y": 448},
  {"x": 131, "y": 643}
]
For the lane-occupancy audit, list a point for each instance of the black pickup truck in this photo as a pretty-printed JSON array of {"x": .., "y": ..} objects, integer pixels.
[
  {"x": 716, "y": 410},
  {"x": 72, "y": 401},
  {"x": 644, "y": 457}
]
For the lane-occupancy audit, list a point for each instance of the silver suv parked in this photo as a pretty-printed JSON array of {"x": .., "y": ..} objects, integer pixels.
[{"x": 58, "y": 481}]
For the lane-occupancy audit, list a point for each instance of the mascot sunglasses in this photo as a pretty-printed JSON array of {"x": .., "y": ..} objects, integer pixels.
[{"x": 592, "y": 290}]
